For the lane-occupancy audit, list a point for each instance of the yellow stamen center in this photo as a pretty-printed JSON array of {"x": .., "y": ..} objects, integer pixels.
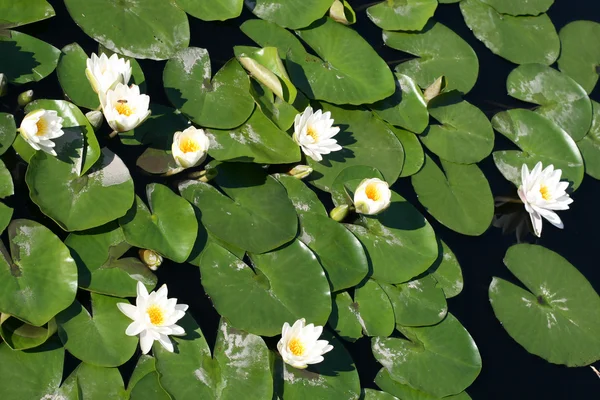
[
  {"x": 372, "y": 192},
  {"x": 296, "y": 347},
  {"x": 123, "y": 108},
  {"x": 42, "y": 126},
  {"x": 310, "y": 131},
  {"x": 156, "y": 315},
  {"x": 545, "y": 192},
  {"x": 189, "y": 145}
]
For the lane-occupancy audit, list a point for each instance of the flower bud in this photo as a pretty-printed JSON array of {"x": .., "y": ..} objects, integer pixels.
[
  {"x": 300, "y": 171},
  {"x": 339, "y": 213},
  {"x": 96, "y": 119},
  {"x": 3, "y": 85},
  {"x": 25, "y": 98},
  {"x": 207, "y": 175},
  {"x": 152, "y": 259}
]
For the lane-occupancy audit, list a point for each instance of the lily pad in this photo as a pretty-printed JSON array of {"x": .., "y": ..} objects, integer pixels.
[
  {"x": 561, "y": 99},
  {"x": 440, "y": 52},
  {"x": 344, "y": 318},
  {"x": 254, "y": 214},
  {"x": 302, "y": 197},
  {"x": 158, "y": 130},
  {"x": 39, "y": 278},
  {"x": 558, "y": 316},
  {"x": 520, "y": 40},
  {"x": 446, "y": 271},
  {"x": 402, "y": 15},
  {"x": 5, "y": 216},
  {"x": 212, "y": 10},
  {"x": 71, "y": 76},
  {"x": 25, "y": 59},
  {"x": 291, "y": 14},
  {"x": 8, "y": 131},
  {"x": 459, "y": 197},
  {"x": 464, "y": 136},
  {"x": 94, "y": 382},
  {"x": 268, "y": 34},
  {"x": 273, "y": 107},
  {"x": 590, "y": 145},
  {"x": 7, "y": 187},
  {"x": 19, "y": 335},
  {"x": 99, "y": 339},
  {"x": 222, "y": 102},
  {"x": 406, "y": 392},
  {"x": 144, "y": 382},
  {"x": 133, "y": 29},
  {"x": 518, "y": 7},
  {"x": 414, "y": 156},
  {"x": 580, "y": 52},
  {"x": 375, "y": 309},
  {"x": 441, "y": 359},
  {"x": 17, "y": 13},
  {"x": 168, "y": 226},
  {"x": 371, "y": 394},
  {"x": 540, "y": 140}
]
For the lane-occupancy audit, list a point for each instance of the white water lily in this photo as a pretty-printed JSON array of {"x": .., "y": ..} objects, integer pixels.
[
  {"x": 154, "y": 317},
  {"x": 299, "y": 344},
  {"x": 189, "y": 147},
  {"x": 124, "y": 107},
  {"x": 104, "y": 73},
  {"x": 314, "y": 133},
  {"x": 372, "y": 196},
  {"x": 39, "y": 127},
  {"x": 542, "y": 192}
]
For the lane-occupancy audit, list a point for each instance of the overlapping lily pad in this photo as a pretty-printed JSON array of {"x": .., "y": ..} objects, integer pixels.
[
  {"x": 518, "y": 7},
  {"x": 344, "y": 318},
  {"x": 19, "y": 335},
  {"x": 447, "y": 272},
  {"x": 414, "y": 156},
  {"x": 212, "y": 10},
  {"x": 16, "y": 13},
  {"x": 94, "y": 382},
  {"x": 375, "y": 309},
  {"x": 402, "y": 15},
  {"x": 558, "y": 316},
  {"x": 25, "y": 59},
  {"x": 580, "y": 52},
  {"x": 590, "y": 144},
  {"x": 144, "y": 382},
  {"x": 71, "y": 76},
  {"x": 8, "y": 131},
  {"x": 406, "y": 392},
  {"x": 292, "y": 14}
]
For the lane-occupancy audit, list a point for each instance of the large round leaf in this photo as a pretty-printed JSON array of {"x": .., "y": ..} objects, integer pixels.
[
  {"x": 222, "y": 102},
  {"x": 375, "y": 309},
  {"x": 540, "y": 140},
  {"x": 520, "y": 40},
  {"x": 71, "y": 76},
  {"x": 580, "y": 52},
  {"x": 558, "y": 316},
  {"x": 561, "y": 99},
  {"x": 8, "y": 131},
  {"x": 98, "y": 340},
  {"x": 459, "y": 196},
  {"x": 344, "y": 318},
  {"x": 154, "y": 29},
  {"x": 292, "y": 14},
  {"x": 268, "y": 34},
  {"x": 255, "y": 213},
  {"x": 441, "y": 359},
  {"x": 519, "y": 7},
  {"x": 212, "y": 10},
  {"x": 590, "y": 144},
  {"x": 16, "y": 13},
  {"x": 402, "y": 15},
  {"x": 80, "y": 202},
  {"x": 39, "y": 278},
  {"x": 465, "y": 135},
  {"x": 25, "y": 59},
  {"x": 168, "y": 226},
  {"x": 440, "y": 52}
]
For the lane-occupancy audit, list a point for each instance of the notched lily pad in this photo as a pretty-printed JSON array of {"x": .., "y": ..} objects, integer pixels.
[
  {"x": 580, "y": 52},
  {"x": 291, "y": 14},
  {"x": 402, "y": 15},
  {"x": 25, "y": 59}
]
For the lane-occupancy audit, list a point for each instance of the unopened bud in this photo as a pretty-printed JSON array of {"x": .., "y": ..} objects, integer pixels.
[
  {"x": 3, "y": 85},
  {"x": 341, "y": 12},
  {"x": 25, "y": 98},
  {"x": 96, "y": 119},
  {"x": 434, "y": 89},
  {"x": 339, "y": 213},
  {"x": 300, "y": 171},
  {"x": 150, "y": 258}
]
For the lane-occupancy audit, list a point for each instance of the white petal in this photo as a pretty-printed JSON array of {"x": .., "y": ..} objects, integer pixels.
[
  {"x": 135, "y": 328},
  {"x": 166, "y": 343},
  {"x": 129, "y": 310},
  {"x": 146, "y": 342},
  {"x": 536, "y": 221}
]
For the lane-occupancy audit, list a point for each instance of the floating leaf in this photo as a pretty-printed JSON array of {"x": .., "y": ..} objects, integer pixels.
[
  {"x": 19, "y": 335},
  {"x": 22, "y": 13},
  {"x": 25, "y": 59},
  {"x": 291, "y": 14},
  {"x": 518, "y": 7},
  {"x": 402, "y": 15},
  {"x": 375, "y": 309},
  {"x": 440, "y": 52},
  {"x": 269, "y": 34},
  {"x": 344, "y": 318},
  {"x": 561, "y": 99},
  {"x": 371, "y": 394},
  {"x": 71, "y": 76},
  {"x": 8, "y": 131},
  {"x": 520, "y": 40},
  {"x": 414, "y": 156},
  {"x": 459, "y": 197},
  {"x": 406, "y": 392},
  {"x": 158, "y": 130},
  {"x": 222, "y": 102},
  {"x": 39, "y": 278},
  {"x": 99, "y": 382},
  {"x": 7, "y": 187},
  {"x": 157, "y": 161},
  {"x": 212, "y": 10},
  {"x": 273, "y": 107},
  {"x": 302, "y": 197},
  {"x": 446, "y": 271},
  {"x": 590, "y": 144},
  {"x": 5, "y": 216},
  {"x": 144, "y": 383},
  {"x": 580, "y": 53},
  {"x": 133, "y": 29},
  {"x": 558, "y": 316}
]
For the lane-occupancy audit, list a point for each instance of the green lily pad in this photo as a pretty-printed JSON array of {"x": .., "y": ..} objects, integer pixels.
[
  {"x": 301, "y": 196},
  {"x": 283, "y": 285},
  {"x": 406, "y": 107},
  {"x": 258, "y": 140},
  {"x": 96, "y": 383},
  {"x": 291, "y": 14},
  {"x": 414, "y": 156},
  {"x": 406, "y": 392},
  {"x": 590, "y": 145},
  {"x": 558, "y": 316},
  {"x": 43, "y": 368},
  {"x": 212, "y": 10},
  {"x": 158, "y": 130},
  {"x": 520, "y": 40},
  {"x": 168, "y": 226},
  {"x": 273, "y": 107},
  {"x": 419, "y": 302},
  {"x": 222, "y": 102},
  {"x": 7, "y": 187},
  {"x": 144, "y": 382},
  {"x": 518, "y": 7},
  {"x": 5, "y": 216},
  {"x": 71, "y": 76},
  {"x": 344, "y": 318},
  {"x": 19, "y": 335},
  {"x": 17, "y": 13},
  {"x": 375, "y": 309},
  {"x": 371, "y": 394},
  {"x": 366, "y": 141},
  {"x": 561, "y": 99},
  {"x": 441, "y": 359},
  {"x": 464, "y": 136},
  {"x": 440, "y": 52},
  {"x": 254, "y": 214},
  {"x": 335, "y": 377},
  {"x": 99, "y": 339},
  {"x": 459, "y": 196},
  {"x": 39, "y": 278},
  {"x": 447, "y": 272},
  {"x": 80, "y": 202},
  {"x": 268, "y": 34},
  {"x": 402, "y": 15},
  {"x": 8, "y": 131},
  {"x": 100, "y": 267},
  {"x": 157, "y": 161},
  {"x": 25, "y": 59},
  {"x": 580, "y": 52},
  {"x": 540, "y": 140},
  {"x": 239, "y": 367},
  {"x": 133, "y": 29}
]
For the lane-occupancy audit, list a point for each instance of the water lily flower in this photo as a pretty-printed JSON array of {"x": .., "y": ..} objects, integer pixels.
[
  {"x": 372, "y": 196},
  {"x": 299, "y": 346},
  {"x": 189, "y": 147},
  {"x": 39, "y": 127},
  {"x": 154, "y": 317},
  {"x": 104, "y": 73},
  {"x": 124, "y": 107},
  {"x": 152, "y": 259},
  {"x": 314, "y": 133},
  {"x": 542, "y": 192}
]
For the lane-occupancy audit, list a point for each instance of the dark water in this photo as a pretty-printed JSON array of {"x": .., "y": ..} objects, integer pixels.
[{"x": 509, "y": 372}]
